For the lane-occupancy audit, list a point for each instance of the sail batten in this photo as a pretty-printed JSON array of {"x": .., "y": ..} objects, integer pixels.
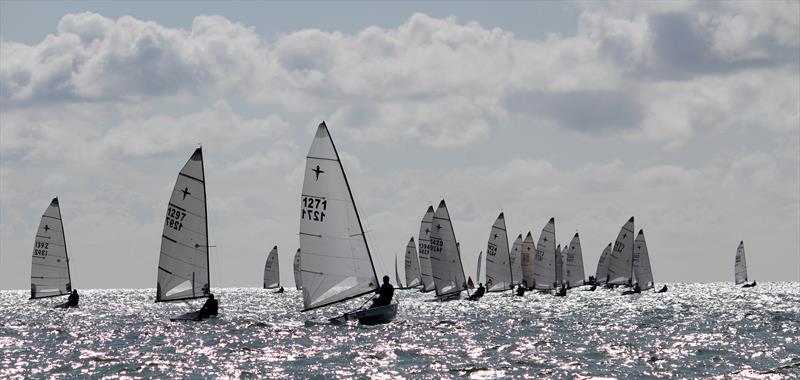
[
  {"x": 50, "y": 274},
  {"x": 499, "y": 275},
  {"x": 183, "y": 255},
  {"x": 272, "y": 276},
  {"x": 336, "y": 263}
]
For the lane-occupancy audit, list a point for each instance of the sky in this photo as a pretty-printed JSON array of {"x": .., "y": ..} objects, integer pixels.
[{"x": 683, "y": 114}]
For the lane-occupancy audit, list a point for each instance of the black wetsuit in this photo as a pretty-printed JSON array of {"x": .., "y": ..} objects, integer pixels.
[
  {"x": 520, "y": 290},
  {"x": 209, "y": 309},
  {"x": 385, "y": 294},
  {"x": 478, "y": 293},
  {"x": 73, "y": 299}
]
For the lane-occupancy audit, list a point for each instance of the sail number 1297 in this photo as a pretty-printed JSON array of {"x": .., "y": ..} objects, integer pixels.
[{"x": 314, "y": 209}]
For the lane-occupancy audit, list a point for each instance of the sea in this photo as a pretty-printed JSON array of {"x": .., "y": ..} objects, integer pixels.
[{"x": 713, "y": 330}]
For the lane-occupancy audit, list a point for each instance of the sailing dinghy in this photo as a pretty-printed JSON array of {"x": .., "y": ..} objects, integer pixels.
[
  {"x": 448, "y": 271},
  {"x": 573, "y": 263},
  {"x": 413, "y": 277},
  {"x": 528, "y": 252},
  {"x": 545, "y": 270},
  {"x": 515, "y": 260},
  {"x": 620, "y": 260},
  {"x": 272, "y": 276},
  {"x": 50, "y": 276},
  {"x": 337, "y": 264},
  {"x": 642, "y": 272},
  {"x": 397, "y": 275},
  {"x": 499, "y": 276},
  {"x": 183, "y": 267},
  {"x": 426, "y": 273},
  {"x": 298, "y": 283},
  {"x": 740, "y": 268}
]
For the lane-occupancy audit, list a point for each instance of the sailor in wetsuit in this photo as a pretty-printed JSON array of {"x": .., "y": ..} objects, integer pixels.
[
  {"x": 209, "y": 309},
  {"x": 385, "y": 294},
  {"x": 478, "y": 293},
  {"x": 521, "y": 288},
  {"x": 73, "y": 299}
]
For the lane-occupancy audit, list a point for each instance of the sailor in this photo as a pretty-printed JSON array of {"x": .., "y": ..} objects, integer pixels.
[
  {"x": 478, "y": 293},
  {"x": 209, "y": 309},
  {"x": 749, "y": 285},
  {"x": 280, "y": 290},
  {"x": 562, "y": 292},
  {"x": 385, "y": 294},
  {"x": 636, "y": 288},
  {"x": 72, "y": 301},
  {"x": 663, "y": 289},
  {"x": 521, "y": 288}
]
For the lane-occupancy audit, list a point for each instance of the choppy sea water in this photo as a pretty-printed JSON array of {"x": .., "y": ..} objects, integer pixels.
[{"x": 694, "y": 330}]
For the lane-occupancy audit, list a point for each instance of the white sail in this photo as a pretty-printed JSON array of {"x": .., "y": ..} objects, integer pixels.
[
  {"x": 602, "y": 266},
  {"x": 515, "y": 259},
  {"x": 559, "y": 266},
  {"x": 426, "y": 272},
  {"x": 448, "y": 271},
  {"x": 498, "y": 259},
  {"x": 272, "y": 275},
  {"x": 478, "y": 272},
  {"x": 642, "y": 272},
  {"x": 50, "y": 264},
  {"x": 397, "y": 274},
  {"x": 573, "y": 263},
  {"x": 298, "y": 281},
  {"x": 528, "y": 252},
  {"x": 183, "y": 270},
  {"x": 336, "y": 261},
  {"x": 413, "y": 278},
  {"x": 740, "y": 267},
  {"x": 544, "y": 262},
  {"x": 620, "y": 261}
]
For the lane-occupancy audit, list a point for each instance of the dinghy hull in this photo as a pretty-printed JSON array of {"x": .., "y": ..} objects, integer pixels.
[{"x": 374, "y": 316}]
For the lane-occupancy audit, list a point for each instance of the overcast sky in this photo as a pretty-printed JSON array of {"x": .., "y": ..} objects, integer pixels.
[{"x": 685, "y": 115}]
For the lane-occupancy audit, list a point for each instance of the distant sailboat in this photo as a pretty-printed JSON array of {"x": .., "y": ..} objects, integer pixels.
[
  {"x": 397, "y": 275},
  {"x": 602, "y": 266},
  {"x": 426, "y": 272},
  {"x": 50, "y": 276},
  {"x": 413, "y": 277},
  {"x": 620, "y": 260},
  {"x": 642, "y": 273},
  {"x": 336, "y": 262},
  {"x": 573, "y": 263},
  {"x": 740, "y": 267},
  {"x": 499, "y": 276},
  {"x": 448, "y": 271},
  {"x": 272, "y": 276},
  {"x": 544, "y": 267},
  {"x": 183, "y": 266},
  {"x": 515, "y": 259},
  {"x": 528, "y": 253},
  {"x": 298, "y": 281},
  {"x": 478, "y": 271}
]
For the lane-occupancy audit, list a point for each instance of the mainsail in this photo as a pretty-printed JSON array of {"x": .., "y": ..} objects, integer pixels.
[
  {"x": 272, "y": 276},
  {"x": 498, "y": 259},
  {"x": 425, "y": 251},
  {"x": 573, "y": 263},
  {"x": 448, "y": 271},
  {"x": 50, "y": 264},
  {"x": 298, "y": 281},
  {"x": 528, "y": 252},
  {"x": 515, "y": 259},
  {"x": 544, "y": 267},
  {"x": 602, "y": 266},
  {"x": 740, "y": 268},
  {"x": 336, "y": 263},
  {"x": 412, "y": 265},
  {"x": 183, "y": 270},
  {"x": 478, "y": 272},
  {"x": 559, "y": 266},
  {"x": 642, "y": 272},
  {"x": 620, "y": 261}
]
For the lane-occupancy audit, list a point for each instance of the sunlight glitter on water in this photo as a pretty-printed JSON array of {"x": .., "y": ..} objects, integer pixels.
[{"x": 695, "y": 330}]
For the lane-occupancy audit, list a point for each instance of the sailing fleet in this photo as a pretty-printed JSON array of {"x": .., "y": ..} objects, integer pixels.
[{"x": 334, "y": 263}]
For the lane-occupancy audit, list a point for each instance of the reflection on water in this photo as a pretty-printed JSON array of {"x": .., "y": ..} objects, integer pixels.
[{"x": 694, "y": 330}]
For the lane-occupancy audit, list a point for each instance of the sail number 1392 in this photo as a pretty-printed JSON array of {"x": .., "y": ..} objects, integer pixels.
[{"x": 314, "y": 209}]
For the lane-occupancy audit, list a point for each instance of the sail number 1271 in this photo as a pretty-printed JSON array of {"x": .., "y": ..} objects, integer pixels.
[{"x": 314, "y": 209}]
